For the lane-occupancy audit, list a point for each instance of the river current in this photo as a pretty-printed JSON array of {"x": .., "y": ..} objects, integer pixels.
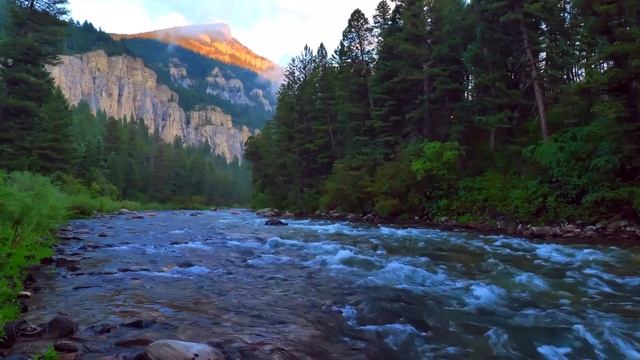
[{"x": 333, "y": 290}]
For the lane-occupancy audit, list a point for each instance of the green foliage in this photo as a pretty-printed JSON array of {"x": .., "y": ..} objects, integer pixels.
[
  {"x": 447, "y": 120},
  {"x": 80, "y": 38},
  {"x": 49, "y": 354},
  {"x": 30, "y": 208},
  {"x": 346, "y": 188},
  {"x": 120, "y": 160},
  {"x": 438, "y": 160}
]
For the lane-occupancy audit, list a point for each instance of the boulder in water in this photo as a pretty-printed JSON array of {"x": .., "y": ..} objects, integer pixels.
[
  {"x": 275, "y": 222},
  {"x": 180, "y": 350},
  {"x": 59, "y": 327}
]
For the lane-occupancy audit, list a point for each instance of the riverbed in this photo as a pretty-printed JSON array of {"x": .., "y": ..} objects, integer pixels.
[{"x": 334, "y": 290}]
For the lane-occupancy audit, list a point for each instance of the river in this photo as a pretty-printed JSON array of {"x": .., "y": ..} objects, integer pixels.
[{"x": 319, "y": 289}]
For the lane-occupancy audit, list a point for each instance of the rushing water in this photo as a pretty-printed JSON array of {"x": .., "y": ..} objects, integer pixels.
[{"x": 319, "y": 289}]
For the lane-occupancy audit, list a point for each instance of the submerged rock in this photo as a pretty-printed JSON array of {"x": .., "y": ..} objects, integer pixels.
[
  {"x": 180, "y": 350},
  {"x": 275, "y": 222}
]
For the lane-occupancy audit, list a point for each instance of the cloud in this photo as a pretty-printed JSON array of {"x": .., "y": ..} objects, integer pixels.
[{"x": 276, "y": 29}]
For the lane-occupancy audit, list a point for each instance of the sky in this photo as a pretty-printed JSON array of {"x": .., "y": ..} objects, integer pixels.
[{"x": 276, "y": 29}]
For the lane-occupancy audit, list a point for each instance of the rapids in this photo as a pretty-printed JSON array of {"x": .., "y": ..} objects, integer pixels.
[{"x": 318, "y": 289}]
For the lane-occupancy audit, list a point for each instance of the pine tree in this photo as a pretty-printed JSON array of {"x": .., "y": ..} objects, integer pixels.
[
  {"x": 33, "y": 34},
  {"x": 354, "y": 59}
]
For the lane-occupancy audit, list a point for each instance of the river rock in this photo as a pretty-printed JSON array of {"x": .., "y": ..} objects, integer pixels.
[
  {"x": 102, "y": 329},
  {"x": 269, "y": 212},
  {"x": 11, "y": 331},
  {"x": 616, "y": 225},
  {"x": 134, "y": 343},
  {"x": 180, "y": 350},
  {"x": 544, "y": 231},
  {"x": 65, "y": 347},
  {"x": 275, "y": 222},
  {"x": 59, "y": 327},
  {"x": 24, "y": 295}
]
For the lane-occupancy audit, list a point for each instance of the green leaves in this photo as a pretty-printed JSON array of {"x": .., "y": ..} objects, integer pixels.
[{"x": 440, "y": 160}]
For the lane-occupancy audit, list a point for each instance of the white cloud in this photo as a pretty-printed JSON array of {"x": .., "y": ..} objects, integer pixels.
[
  {"x": 123, "y": 16},
  {"x": 297, "y": 23}
]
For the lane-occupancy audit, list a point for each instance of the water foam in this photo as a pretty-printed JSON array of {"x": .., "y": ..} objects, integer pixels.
[
  {"x": 499, "y": 341},
  {"x": 550, "y": 352},
  {"x": 267, "y": 260},
  {"x": 483, "y": 295},
  {"x": 532, "y": 281},
  {"x": 400, "y": 275}
]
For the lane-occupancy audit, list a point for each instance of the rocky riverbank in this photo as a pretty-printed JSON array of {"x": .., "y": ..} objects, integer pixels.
[
  {"x": 24, "y": 341},
  {"x": 616, "y": 232}
]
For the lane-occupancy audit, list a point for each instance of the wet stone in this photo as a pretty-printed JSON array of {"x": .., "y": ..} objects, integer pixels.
[
  {"x": 133, "y": 343},
  {"x": 275, "y": 222},
  {"x": 65, "y": 347},
  {"x": 11, "y": 331},
  {"x": 59, "y": 327},
  {"x": 175, "y": 350}
]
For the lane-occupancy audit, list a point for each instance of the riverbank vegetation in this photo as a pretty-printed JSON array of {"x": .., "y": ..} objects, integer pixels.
[{"x": 478, "y": 111}]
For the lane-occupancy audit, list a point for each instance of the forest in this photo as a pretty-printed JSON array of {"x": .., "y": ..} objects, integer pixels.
[{"x": 478, "y": 111}]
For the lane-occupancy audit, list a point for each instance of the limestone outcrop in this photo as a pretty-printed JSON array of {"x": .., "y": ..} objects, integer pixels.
[{"x": 123, "y": 88}]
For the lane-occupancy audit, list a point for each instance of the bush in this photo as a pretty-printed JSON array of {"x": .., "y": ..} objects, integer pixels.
[
  {"x": 396, "y": 188},
  {"x": 346, "y": 188},
  {"x": 31, "y": 208}
]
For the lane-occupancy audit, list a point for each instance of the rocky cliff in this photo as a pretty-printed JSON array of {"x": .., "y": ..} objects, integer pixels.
[{"x": 124, "y": 88}]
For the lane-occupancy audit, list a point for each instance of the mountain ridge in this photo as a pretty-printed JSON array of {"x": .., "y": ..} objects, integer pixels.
[{"x": 214, "y": 41}]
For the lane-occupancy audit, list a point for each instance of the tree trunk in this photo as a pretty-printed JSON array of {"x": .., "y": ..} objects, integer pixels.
[{"x": 537, "y": 87}]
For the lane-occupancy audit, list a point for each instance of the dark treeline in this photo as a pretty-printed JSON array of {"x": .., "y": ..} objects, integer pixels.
[
  {"x": 120, "y": 159},
  {"x": 484, "y": 110}
]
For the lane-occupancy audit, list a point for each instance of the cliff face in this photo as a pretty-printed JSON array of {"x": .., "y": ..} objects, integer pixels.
[
  {"x": 213, "y": 41},
  {"x": 124, "y": 88}
]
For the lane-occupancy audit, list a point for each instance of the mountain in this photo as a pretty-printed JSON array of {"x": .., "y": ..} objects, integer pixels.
[
  {"x": 124, "y": 88},
  {"x": 175, "y": 91},
  {"x": 213, "y": 41},
  {"x": 199, "y": 81}
]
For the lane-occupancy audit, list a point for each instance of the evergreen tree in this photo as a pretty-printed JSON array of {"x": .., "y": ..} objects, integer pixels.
[
  {"x": 33, "y": 32},
  {"x": 354, "y": 58}
]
